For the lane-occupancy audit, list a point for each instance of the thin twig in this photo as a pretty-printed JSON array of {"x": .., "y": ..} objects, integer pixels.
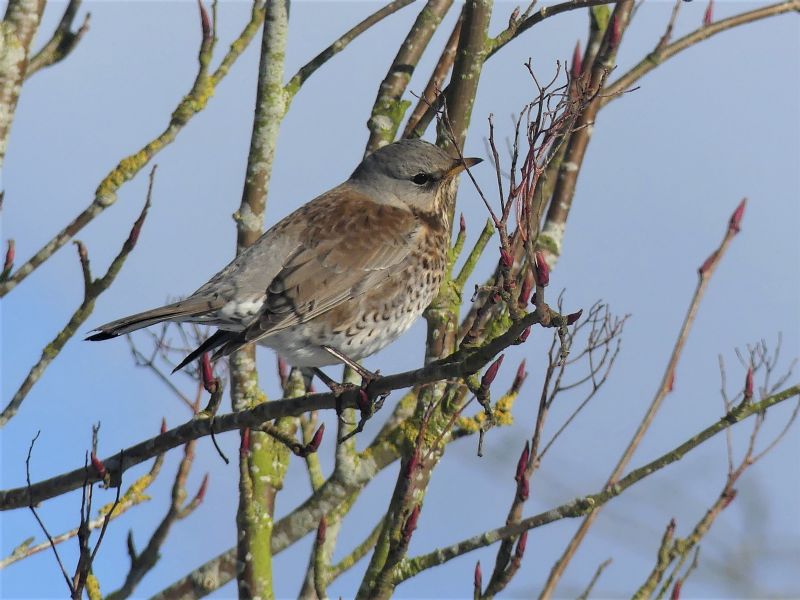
[
  {"x": 39, "y": 520},
  {"x": 93, "y": 289}
]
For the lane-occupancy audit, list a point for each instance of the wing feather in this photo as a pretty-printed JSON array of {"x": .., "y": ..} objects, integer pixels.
[{"x": 341, "y": 255}]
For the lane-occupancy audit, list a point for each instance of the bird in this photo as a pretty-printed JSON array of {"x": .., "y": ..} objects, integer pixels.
[{"x": 340, "y": 277}]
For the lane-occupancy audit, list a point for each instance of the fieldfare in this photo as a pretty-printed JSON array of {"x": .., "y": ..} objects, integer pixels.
[{"x": 344, "y": 275}]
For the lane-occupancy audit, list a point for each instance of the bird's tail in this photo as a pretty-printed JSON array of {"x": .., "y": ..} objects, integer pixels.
[
  {"x": 221, "y": 338},
  {"x": 177, "y": 311}
]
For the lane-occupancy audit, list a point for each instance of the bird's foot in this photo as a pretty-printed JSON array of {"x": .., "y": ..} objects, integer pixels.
[
  {"x": 368, "y": 405},
  {"x": 366, "y": 400},
  {"x": 337, "y": 388}
]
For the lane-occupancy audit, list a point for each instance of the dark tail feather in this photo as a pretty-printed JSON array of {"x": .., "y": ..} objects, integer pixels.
[
  {"x": 230, "y": 346},
  {"x": 219, "y": 338},
  {"x": 191, "y": 307}
]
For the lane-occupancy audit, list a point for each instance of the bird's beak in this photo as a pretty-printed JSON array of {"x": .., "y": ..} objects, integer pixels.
[{"x": 460, "y": 165}]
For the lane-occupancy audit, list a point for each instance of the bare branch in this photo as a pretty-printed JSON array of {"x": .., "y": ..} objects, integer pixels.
[
  {"x": 340, "y": 44},
  {"x": 591, "y": 503},
  {"x": 92, "y": 290},
  {"x": 21, "y": 20},
  {"x": 191, "y": 104},
  {"x": 664, "y": 53},
  {"x": 31, "y": 505},
  {"x": 62, "y": 42},
  {"x": 389, "y": 108},
  {"x": 705, "y": 272}
]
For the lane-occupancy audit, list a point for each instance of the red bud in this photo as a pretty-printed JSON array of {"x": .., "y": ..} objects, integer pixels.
[
  {"x": 519, "y": 378},
  {"x": 491, "y": 372},
  {"x": 412, "y": 464},
  {"x": 201, "y": 493},
  {"x": 244, "y": 445},
  {"x": 572, "y": 318},
  {"x": 676, "y": 589},
  {"x": 283, "y": 370},
  {"x": 542, "y": 269},
  {"x": 10, "y": 254},
  {"x": 615, "y": 32},
  {"x": 521, "y": 543},
  {"x": 322, "y": 530},
  {"x": 411, "y": 524},
  {"x": 671, "y": 527},
  {"x": 525, "y": 292},
  {"x": 522, "y": 463},
  {"x": 363, "y": 401},
  {"x": 576, "y": 69},
  {"x": 735, "y": 223},
  {"x": 133, "y": 236},
  {"x": 98, "y": 466},
  {"x": 205, "y": 22},
  {"x": 163, "y": 425},
  {"x": 748, "y": 384},
  {"x": 505, "y": 258},
  {"x": 707, "y": 264},
  {"x": 708, "y": 16},
  {"x": 313, "y": 445},
  {"x": 478, "y": 578},
  {"x": 209, "y": 383},
  {"x": 671, "y": 381},
  {"x": 462, "y": 224},
  {"x": 524, "y": 335}
]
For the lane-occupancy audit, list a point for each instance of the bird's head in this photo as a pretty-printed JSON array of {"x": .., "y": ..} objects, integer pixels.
[{"x": 414, "y": 172}]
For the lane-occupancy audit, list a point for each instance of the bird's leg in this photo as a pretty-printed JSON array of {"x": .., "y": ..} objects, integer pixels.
[
  {"x": 337, "y": 388},
  {"x": 367, "y": 404},
  {"x": 367, "y": 376}
]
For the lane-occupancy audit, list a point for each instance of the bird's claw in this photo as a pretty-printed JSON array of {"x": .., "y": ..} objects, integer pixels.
[{"x": 368, "y": 405}]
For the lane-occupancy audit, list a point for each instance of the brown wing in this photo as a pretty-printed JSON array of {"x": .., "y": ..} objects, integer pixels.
[{"x": 346, "y": 248}]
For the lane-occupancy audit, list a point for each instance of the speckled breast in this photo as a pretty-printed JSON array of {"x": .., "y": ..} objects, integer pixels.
[{"x": 366, "y": 324}]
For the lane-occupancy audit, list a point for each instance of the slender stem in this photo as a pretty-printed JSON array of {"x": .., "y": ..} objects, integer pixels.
[
  {"x": 263, "y": 460},
  {"x": 17, "y": 30},
  {"x": 299, "y": 78},
  {"x": 437, "y": 78},
  {"x": 92, "y": 290},
  {"x": 660, "y": 55},
  {"x": 704, "y": 276},
  {"x": 106, "y": 194},
  {"x": 62, "y": 42},
  {"x": 589, "y": 504},
  {"x": 389, "y": 107},
  {"x": 555, "y": 221}
]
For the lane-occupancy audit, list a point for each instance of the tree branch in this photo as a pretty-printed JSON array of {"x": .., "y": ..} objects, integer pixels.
[
  {"x": 17, "y": 30},
  {"x": 92, "y": 290},
  {"x": 589, "y": 504},
  {"x": 191, "y": 104},
  {"x": 389, "y": 107},
  {"x": 62, "y": 42},
  {"x": 299, "y": 78},
  {"x": 461, "y": 364},
  {"x": 660, "y": 55},
  {"x": 704, "y": 275},
  {"x": 262, "y": 461}
]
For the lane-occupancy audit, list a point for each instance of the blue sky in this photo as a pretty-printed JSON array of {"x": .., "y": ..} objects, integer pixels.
[{"x": 666, "y": 166}]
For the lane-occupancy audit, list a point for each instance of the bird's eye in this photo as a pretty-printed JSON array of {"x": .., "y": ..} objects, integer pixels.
[{"x": 421, "y": 178}]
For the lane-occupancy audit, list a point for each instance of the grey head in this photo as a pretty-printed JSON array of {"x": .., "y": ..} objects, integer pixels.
[{"x": 414, "y": 172}]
